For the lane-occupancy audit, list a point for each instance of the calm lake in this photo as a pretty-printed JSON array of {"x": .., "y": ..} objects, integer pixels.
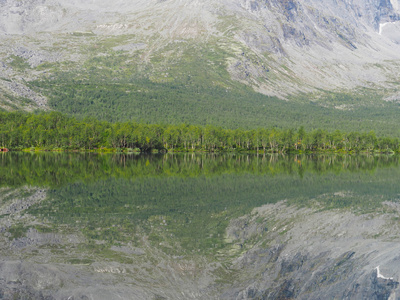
[{"x": 199, "y": 226}]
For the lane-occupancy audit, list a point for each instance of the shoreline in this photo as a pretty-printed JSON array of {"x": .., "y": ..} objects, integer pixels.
[{"x": 222, "y": 151}]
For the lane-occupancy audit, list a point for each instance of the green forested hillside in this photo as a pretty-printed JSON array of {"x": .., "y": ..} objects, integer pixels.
[{"x": 195, "y": 87}]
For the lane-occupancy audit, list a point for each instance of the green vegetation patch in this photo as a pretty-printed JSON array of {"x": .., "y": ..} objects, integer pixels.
[
  {"x": 17, "y": 231},
  {"x": 80, "y": 261},
  {"x": 19, "y": 63}
]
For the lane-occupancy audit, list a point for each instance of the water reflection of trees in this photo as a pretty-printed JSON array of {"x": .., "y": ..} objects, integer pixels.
[{"x": 56, "y": 169}]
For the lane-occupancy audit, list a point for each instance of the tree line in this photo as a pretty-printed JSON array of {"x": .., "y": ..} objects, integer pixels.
[{"x": 54, "y": 130}]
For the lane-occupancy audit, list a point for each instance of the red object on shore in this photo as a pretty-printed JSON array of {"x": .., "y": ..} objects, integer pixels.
[{"x": 3, "y": 150}]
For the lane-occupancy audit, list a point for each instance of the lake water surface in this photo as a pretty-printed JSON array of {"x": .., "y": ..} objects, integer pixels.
[{"x": 199, "y": 226}]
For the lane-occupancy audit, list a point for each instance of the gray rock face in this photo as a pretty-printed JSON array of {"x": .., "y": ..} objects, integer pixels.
[
  {"x": 26, "y": 16},
  {"x": 279, "y": 47}
]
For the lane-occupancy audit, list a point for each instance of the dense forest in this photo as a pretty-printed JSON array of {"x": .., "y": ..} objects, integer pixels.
[{"x": 55, "y": 131}]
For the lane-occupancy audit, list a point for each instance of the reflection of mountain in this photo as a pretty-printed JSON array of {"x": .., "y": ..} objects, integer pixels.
[
  {"x": 199, "y": 226},
  {"x": 315, "y": 254},
  {"x": 207, "y": 238},
  {"x": 13, "y": 201}
]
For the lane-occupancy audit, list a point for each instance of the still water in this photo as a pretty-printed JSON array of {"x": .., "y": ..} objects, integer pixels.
[{"x": 198, "y": 226}]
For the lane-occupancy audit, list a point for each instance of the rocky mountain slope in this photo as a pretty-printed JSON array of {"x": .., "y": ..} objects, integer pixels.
[{"x": 278, "y": 47}]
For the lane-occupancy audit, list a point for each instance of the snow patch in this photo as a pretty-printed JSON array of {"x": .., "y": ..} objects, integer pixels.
[
  {"x": 379, "y": 275},
  {"x": 390, "y": 30},
  {"x": 383, "y": 25}
]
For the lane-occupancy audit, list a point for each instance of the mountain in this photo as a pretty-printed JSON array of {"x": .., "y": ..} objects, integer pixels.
[{"x": 204, "y": 61}]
